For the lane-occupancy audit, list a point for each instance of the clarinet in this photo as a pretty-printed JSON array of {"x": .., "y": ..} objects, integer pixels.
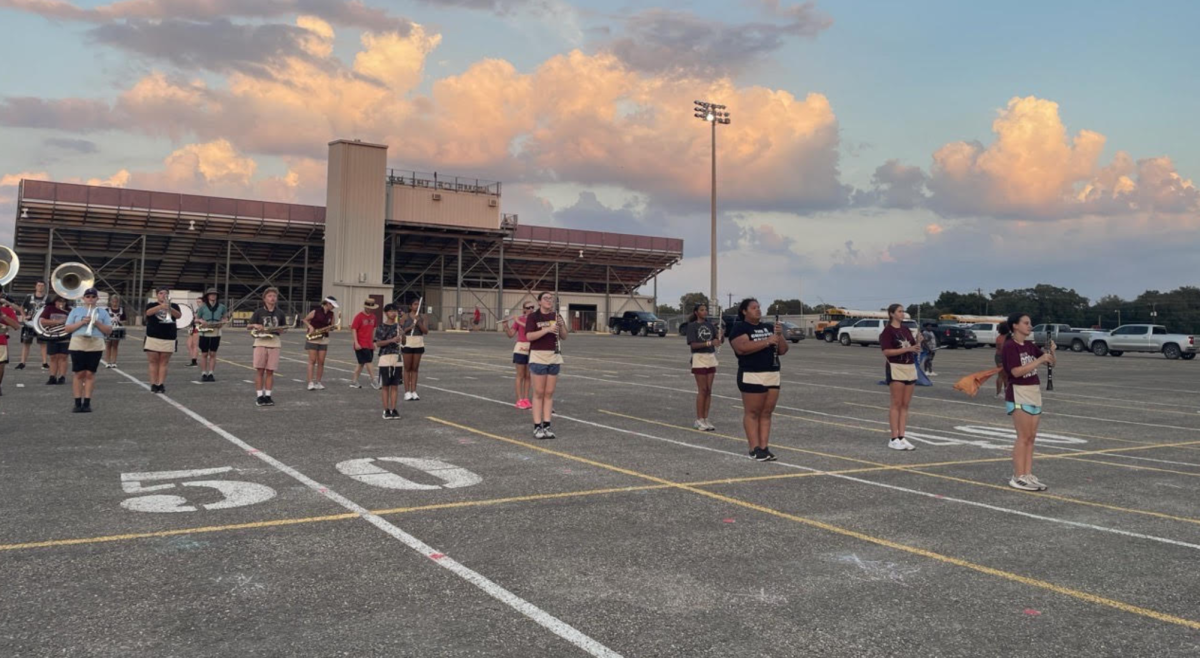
[
  {"x": 1050, "y": 342},
  {"x": 558, "y": 327},
  {"x": 775, "y": 347}
]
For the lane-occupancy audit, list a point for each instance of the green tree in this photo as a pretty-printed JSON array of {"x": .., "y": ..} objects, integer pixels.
[
  {"x": 688, "y": 300},
  {"x": 666, "y": 310},
  {"x": 790, "y": 307}
]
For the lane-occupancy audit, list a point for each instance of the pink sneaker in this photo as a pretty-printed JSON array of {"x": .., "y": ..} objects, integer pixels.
[{"x": 525, "y": 404}]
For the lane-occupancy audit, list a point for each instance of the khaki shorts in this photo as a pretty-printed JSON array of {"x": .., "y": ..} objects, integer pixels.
[
  {"x": 3, "y": 353},
  {"x": 266, "y": 358},
  {"x": 159, "y": 345}
]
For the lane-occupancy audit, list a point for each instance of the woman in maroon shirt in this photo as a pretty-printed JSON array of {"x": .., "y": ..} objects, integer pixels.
[
  {"x": 900, "y": 347},
  {"x": 1023, "y": 398}
]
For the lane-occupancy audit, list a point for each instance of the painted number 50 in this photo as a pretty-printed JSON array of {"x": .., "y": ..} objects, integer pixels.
[{"x": 234, "y": 492}]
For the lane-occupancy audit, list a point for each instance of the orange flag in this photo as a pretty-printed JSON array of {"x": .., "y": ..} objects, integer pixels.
[{"x": 971, "y": 383}]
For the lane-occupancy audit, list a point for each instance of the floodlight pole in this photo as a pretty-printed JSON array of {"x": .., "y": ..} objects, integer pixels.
[{"x": 714, "y": 114}]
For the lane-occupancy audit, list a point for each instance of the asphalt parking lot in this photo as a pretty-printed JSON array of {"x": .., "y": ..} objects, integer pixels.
[{"x": 195, "y": 524}]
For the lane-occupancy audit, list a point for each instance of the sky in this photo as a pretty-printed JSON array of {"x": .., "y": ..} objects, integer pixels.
[{"x": 878, "y": 152}]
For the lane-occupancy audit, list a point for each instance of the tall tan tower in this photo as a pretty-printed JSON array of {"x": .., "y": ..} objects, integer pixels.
[{"x": 356, "y": 197}]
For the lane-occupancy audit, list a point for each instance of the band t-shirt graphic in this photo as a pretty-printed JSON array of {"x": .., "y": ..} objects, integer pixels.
[
  {"x": 762, "y": 360},
  {"x": 540, "y": 321},
  {"x": 892, "y": 338},
  {"x": 701, "y": 332},
  {"x": 161, "y": 325},
  {"x": 1015, "y": 356},
  {"x": 269, "y": 319}
]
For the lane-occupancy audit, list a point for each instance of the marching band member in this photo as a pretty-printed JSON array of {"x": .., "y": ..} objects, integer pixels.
[
  {"x": 362, "y": 329},
  {"x": 900, "y": 348},
  {"x": 112, "y": 342},
  {"x": 88, "y": 325},
  {"x": 545, "y": 334},
  {"x": 1020, "y": 360},
  {"x": 32, "y": 304},
  {"x": 161, "y": 335},
  {"x": 758, "y": 346},
  {"x": 319, "y": 322},
  {"x": 388, "y": 339},
  {"x": 268, "y": 322},
  {"x": 210, "y": 315},
  {"x": 703, "y": 338},
  {"x": 414, "y": 326},
  {"x": 53, "y": 317},
  {"x": 8, "y": 320},
  {"x": 193, "y": 337},
  {"x": 519, "y": 330}
]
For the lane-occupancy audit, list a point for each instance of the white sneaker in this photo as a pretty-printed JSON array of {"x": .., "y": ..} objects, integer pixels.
[
  {"x": 356, "y": 385},
  {"x": 375, "y": 384},
  {"x": 311, "y": 386},
  {"x": 319, "y": 386},
  {"x": 708, "y": 426},
  {"x": 907, "y": 445},
  {"x": 932, "y": 374},
  {"x": 699, "y": 424},
  {"x": 897, "y": 444},
  {"x": 1022, "y": 483},
  {"x": 407, "y": 396},
  {"x": 1032, "y": 479},
  {"x": 415, "y": 396}
]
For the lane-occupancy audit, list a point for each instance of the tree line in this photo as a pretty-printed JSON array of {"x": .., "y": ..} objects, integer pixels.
[{"x": 1178, "y": 310}]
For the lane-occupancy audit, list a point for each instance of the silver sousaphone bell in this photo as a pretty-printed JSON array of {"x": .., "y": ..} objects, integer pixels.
[
  {"x": 69, "y": 281},
  {"x": 9, "y": 264}
]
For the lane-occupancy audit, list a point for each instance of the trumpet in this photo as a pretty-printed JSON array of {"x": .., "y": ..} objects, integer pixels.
[
  {"x": 318, "y": 334},
  {"x": 91, "y": 322}
]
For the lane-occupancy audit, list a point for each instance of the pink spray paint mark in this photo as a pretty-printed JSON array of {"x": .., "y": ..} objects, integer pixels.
[
  {"x": 1031, "y": 612},
  {"x": 728, "y": 521},
  {"x": 436, "y": 556}
]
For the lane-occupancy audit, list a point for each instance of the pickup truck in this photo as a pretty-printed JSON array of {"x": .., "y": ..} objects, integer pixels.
[
  {"x": 866, "y": 332},
  {"x": 1076, "y": 340},
  {"x": 637, "y": 323},
  {"x": 954, "y": 335},
  {"x": 1145, "y": 338},
  {"x": 830, "y": 334}
]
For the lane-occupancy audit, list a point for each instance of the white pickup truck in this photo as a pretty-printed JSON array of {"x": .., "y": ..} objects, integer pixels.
[
  {"x": 866, "y": 332},
  {"x": 1145, "y": 338}
]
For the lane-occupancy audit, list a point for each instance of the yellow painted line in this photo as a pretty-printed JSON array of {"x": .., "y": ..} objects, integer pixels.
[
  {"x": 991, "y": 571},
  {"x": 515, "y": 499},
  {"x": 911, "y": 468}
]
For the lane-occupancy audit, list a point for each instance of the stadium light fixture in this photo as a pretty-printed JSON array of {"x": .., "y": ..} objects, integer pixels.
[{"x": 714, "y": 114}]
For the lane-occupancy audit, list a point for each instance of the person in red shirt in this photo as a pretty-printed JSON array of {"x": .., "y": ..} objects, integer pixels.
[
  {"x": 1020, "y": 360},
  {"x": 900, "y": 347},
  {"x": 363, "y": 329},
  {"x": 8, "y": 321}
]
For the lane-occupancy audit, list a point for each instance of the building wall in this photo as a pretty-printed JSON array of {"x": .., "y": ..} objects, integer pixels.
[
  {"x": 416, "y": 205},
  {"x": 444, "y": 308},
  {"x": 354, "y": 221}
]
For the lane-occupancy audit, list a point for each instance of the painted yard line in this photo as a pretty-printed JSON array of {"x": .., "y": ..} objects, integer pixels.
[
  {"x": 539, "y": 616},
  {"x": 912, "y": 469},
  {"x": 1007, "y": 575},
  {"x": 885, "y": 467}
]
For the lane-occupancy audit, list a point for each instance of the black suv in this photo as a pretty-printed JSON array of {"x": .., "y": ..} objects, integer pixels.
[{"x": 953, "y": 335}]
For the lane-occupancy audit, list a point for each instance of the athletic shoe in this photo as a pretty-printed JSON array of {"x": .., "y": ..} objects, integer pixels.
[
  {"x": 415, "y": 396},
  {"x": 20, "y": 366},
  {"x": 115, "y": 367},
  {"x": 761, "y": 455},
  {"x": 548, "y": 433},
  {"x": 539, "y": 433},
  {"x": 897, "y": 444},
  {"x": 1022, "y": 483},
  {"x": 387, "y": 414},
  {"x": 62, "y": 380},
  {"x": 52, "y": 381},
  {"x": 395, "y": 414},
  {"x": 375, "y": 384},
  {"x": 260, "y": 401},
  {"x": 907, "y": 445},
  {"x": 319, "y": 386},
  {"x": 407, "y": 396},
  {"x": 162, "y": 388},
  {"x": 932, "y": 374},
  {"x": 356, "y": 385},
  {"x": 193, "y": 364},
  {"x": 770, "y": 455},
  {"x": 269, "y": 402},
  {"x": 699, "y": 424},
  {"x": 518, "y": 405},
  {"x": 212, "y": 377},
  {"x": 528, "y": 403},
  {"x": 45, "y": 366},
  {"x": 311, "y": 387},
  {"x": 77, "y": 409},
  {"x": 753, "y": 453},
  {"x": 709, "y": 427},
  {"x": 1032, "y": 479},
  {"x": 87, "y": 408}
]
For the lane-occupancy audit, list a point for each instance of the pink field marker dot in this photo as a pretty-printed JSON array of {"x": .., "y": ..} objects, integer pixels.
[
  {"x": 436, "y": 556},
  {"x": 252, "y": 452},
  {"x": 1031, "y": 612},
  {"x": 728, "y": 521},
  {"x": 939, "y": 496}
]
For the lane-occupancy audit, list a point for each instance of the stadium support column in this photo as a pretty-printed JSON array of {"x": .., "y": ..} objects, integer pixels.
[
  {"x": 50, "y": 254},
  {"x": 355, "y": 219},
  {"x": 607, "y": 295},
  {"x": 228, "y": 261},
  {"x": 458, "y": 290},
  {"x": 500, "y": 287}
]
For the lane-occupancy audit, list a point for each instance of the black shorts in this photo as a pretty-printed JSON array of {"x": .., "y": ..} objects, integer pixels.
[
  {"x": 27, "y": 335},
  {"x": 210, "y": 343},
  {"x": 520, "y": 359},
  {"x": 999, "y": 360},
  {"x": 54, "y": 347},
  {"x": 364, "y": 356},
  {"x": 390, "y": 375},
  {"x": 412, "y": 350},
  {"x": 85, "y": 361}
]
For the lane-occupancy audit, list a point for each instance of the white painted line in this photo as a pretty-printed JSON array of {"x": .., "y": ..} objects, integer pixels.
[
  {"x": 466, "y": 377},
  {"x": 543, "y": 618},
  {"x": 301, "y": 381},
  {"x": 433, "y": 379},
  {"x": 197, "y": 383},
  {"x": 248, "y": 381},
  {"x": 918, "y": 492}
]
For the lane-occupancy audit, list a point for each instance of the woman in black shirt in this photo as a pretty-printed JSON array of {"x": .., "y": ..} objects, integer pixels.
[
  {"x": 757, "y": 345},
  {"x": 900, "y": 348},
  {"x": 703, "y": 338},
  {"x": 161, "y": 332}
]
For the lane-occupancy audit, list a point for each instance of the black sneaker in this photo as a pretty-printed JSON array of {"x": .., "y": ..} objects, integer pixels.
[
  {"x": 753, "y": 453},
  {"x": 212, "y": 377},
  {"x": 761, "y": 455},
  {"x": 77, "y": 410},
  {"x": 87, "y": 408},
  {"x": 62, "y": 380},
  {"x": 260, "y": 401},
  {"x": 395, "y": 414},
  {"x": 45, "y": 366},
  {"x": 52, "y": 381},
  {"x": 162, "y": 388},
  {"x": 548, "y": 433},
  {"x": 770, "y": 455},
  {"x": 193, "y": 364},
  {"x": 267, "y": 401},
  {"x": 20, "y": 366}
]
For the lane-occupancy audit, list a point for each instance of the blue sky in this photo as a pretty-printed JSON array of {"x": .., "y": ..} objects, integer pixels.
[{"x": 888, "y": 81}]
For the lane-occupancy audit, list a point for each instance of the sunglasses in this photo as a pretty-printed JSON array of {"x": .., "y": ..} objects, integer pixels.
[{"x": 528, "y": 308}]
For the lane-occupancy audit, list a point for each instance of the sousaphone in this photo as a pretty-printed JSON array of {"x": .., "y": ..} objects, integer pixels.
[
  {"x": 9, "y": 264},
  {"x": 69, "y": 281}
]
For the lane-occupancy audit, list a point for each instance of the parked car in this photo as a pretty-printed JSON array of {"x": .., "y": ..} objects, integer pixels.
[
  {"x": 1076, "y": 340},
  {"x": 986, "y": 332},
  {"x": 1145, "y": 338},
  {"x": 637, "y": 323},
  {"x": 954, "y": 335},
  {"x": 866, "y": 332},
  {"x": 830, "y": 333},
  {"x": 792, "y": 332}
]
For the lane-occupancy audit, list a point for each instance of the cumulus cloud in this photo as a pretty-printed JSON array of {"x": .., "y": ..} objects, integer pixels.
[
  {"x": 894, "y": 185},
  {"x": 349, "y": 13},
  {"x": 71, "y": 114},
  {"x": 77, "y": 145},
  {"x": 12, "y": 180},
  {"x": 678, "y": 43}
]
